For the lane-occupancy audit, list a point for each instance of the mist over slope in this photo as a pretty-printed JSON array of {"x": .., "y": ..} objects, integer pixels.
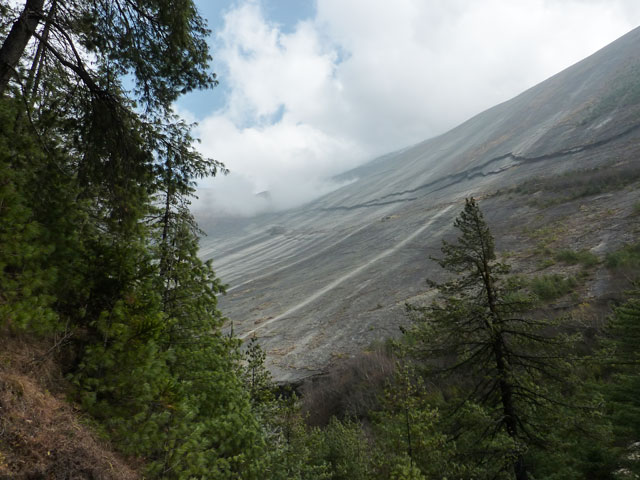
[{"x": 327, "y": 279}]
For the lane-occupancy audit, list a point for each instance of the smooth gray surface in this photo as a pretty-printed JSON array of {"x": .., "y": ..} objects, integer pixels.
[{"x": 325, "y": 280}]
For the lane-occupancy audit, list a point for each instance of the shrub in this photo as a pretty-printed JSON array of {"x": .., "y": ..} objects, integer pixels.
[
  {"x": 626, "y": 257},
  {"x": 572, "y": 257},
  {"x": 550, "y": 287},
  {"x": 350, "y": 389},
  {"x": 546, "y": 263},
  {"x": 578, "y": 184}
]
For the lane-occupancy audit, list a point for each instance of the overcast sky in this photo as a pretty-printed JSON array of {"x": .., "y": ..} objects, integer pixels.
[{"x": 309, "y": 89}]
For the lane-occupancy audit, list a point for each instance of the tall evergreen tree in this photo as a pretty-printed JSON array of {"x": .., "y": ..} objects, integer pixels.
[
  {"x": 26, "y": 276},
  {"x": 98, "y": 237},
  {"x": 623, "y": 390},
  {"x": 478, "y": 328}
]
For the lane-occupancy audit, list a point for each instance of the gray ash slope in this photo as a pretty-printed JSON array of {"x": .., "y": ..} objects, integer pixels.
[{"x": 327, "y": 279}]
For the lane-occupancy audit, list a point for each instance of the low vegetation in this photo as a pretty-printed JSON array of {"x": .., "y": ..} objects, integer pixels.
[
  {"x": 627, "y": 257},
  {"x": 578, "y": 184},
  {"x": 573, "y": 257},
  {"x": 553, "y": 286},
  {"x": 41, "y": 434}
]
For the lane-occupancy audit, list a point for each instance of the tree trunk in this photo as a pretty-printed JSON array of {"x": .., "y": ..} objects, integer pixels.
[
  {"x": 17, "y": 40},
  {"x": 506, "y": 392},
  {"x": 506, "y": 397},
  {"x": 165, "y": 252},
  {"x": 33, "y": 81}
]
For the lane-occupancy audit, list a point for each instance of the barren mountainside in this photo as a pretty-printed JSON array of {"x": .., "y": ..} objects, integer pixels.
[{"x": 555, "y": 168}]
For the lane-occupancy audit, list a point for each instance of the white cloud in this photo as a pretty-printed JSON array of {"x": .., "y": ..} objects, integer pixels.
[
  {"x": 368, "y": 76},
  {"x": 292, "y": 161}
]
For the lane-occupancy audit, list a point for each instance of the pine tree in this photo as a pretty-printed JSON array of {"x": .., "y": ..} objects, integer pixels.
[
  {"x": 26, "y": 279},
  {"x": 623, "y": 391},
  {"x": 410, "y": 442},
  {"x": 98, "y": 236},
  {"x": 479, "y": 329}
]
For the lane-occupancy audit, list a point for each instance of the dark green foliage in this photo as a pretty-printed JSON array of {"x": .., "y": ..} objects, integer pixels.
[
  {"x": 346, "y": 450},
  {"x": 256, "y": 377},
  {"x": 579, "y": 443},
  {"x": 162, "y": 377},
  {"x": 479, "y": 329},
  {"x": 451, "y": 422},
  {"x": 551, "y": 287},
  {"x": 627, "y": 257},
  {"x": 291, "y": 450},
  {"x": 573, "y": 257},
  {"x": 412, "y": 440},
  {"x": 623, "y": 356},
  {"x": 97, "y": 242},
  {"x": 26, "y": 283},
  {"x": 96, "y": 238},
  {"x": 161, "y": 43}
]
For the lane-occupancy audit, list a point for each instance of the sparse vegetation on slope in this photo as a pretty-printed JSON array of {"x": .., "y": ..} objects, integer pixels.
[
  {"x": 553, "y": 286},
  {"x": 627, "y": 257},
  {"x": 41, "y": 434},
  {"x": 573, "y": 257},
  {"x": 578, "y": 184}
]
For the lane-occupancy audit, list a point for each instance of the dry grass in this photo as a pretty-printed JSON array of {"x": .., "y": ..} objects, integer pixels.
[{"x": 41, "y": 435}]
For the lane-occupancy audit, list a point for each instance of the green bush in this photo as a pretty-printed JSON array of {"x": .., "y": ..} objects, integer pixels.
[
  {"x": 550, "y": 287},
  {"x": 626, "y": 257},
  {"x": 572, "y": 257},
  {"x": 546, "y": 263}
]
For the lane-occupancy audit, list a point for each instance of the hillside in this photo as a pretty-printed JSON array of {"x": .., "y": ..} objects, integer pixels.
[
  {"x": 42, "y": 435},
  {"x": 555, "y": 168}
]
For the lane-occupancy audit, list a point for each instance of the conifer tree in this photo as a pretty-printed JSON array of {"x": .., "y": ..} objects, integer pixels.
[
  {"x": 478, "y": 328},
  {"x": 623, "y": 391},
  {"x": 97, "y": 236},
  {"x": 26, "y": 280}
]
